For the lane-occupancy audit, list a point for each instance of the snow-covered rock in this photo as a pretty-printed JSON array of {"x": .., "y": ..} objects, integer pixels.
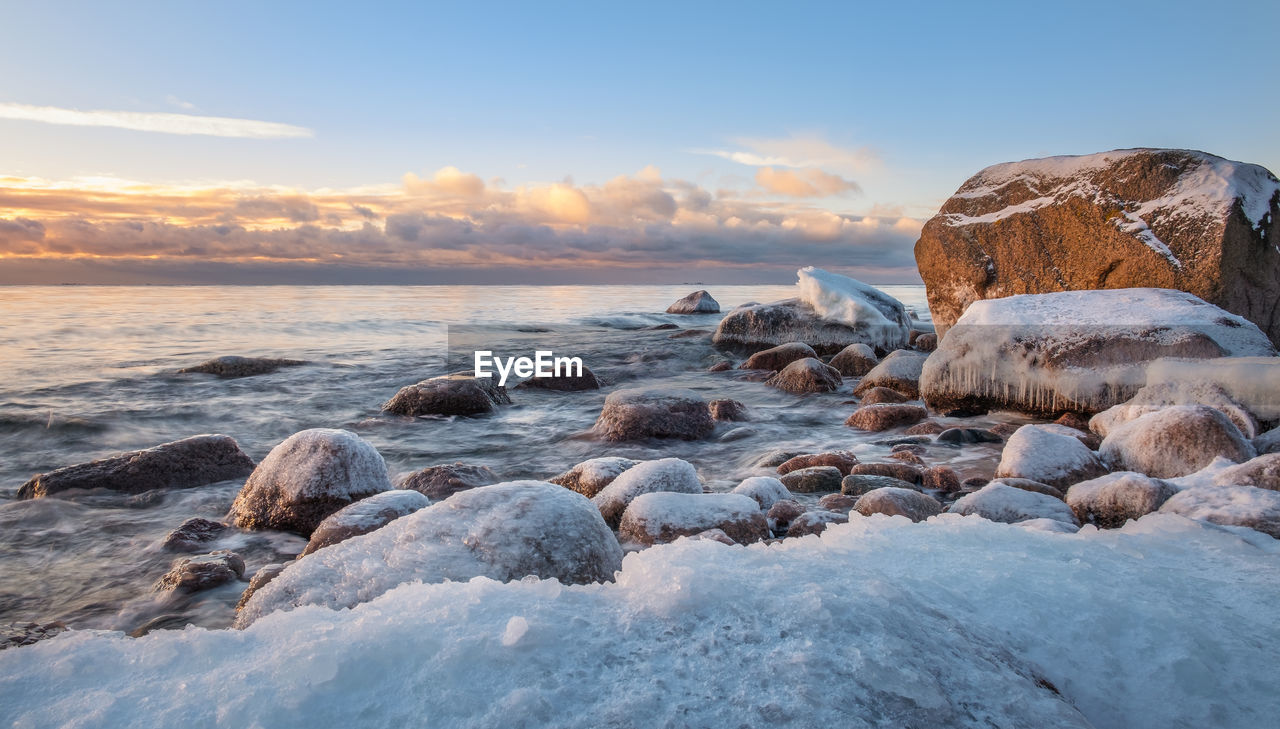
[
  {"x": 186, "y": 463},
  {"x": 504, "y": 532},
  {"x": 654, "y": 412},
  {"x": 766, "y": 490},
  {"x": 589, "y": 477},
  {"x": 699, "y": 302},
  {"x": 782, "y": 513},
  {"x": 866, "y": 308},
  {"x": 1004, "y": 503},
  {"x": 306, "y": 478},
  {"x": 883, "y": 416},
  {"x": 1110, "y": 501},
  {"x": 1050, "y": 454},
  {"x": 456, "y": 394},
  {"x": 1027, "y": 484},
  {"x": 855, "y": 360},
  {"x": 775, "y": 358},
  {"x": 898, "y": 502},
  {"x": 445, "y": 480},
  {"x": 1262, "y": 472},
  {"x": 806, "y": 375},
  {"x": 365, "y": 515},
  {"x": 1174, "y": 441},
  {"x": 1252, "y": 382},
  {"x": 193, "y": 574},
  {"x": 814, "y": 479},
  {"x": 899, "y": 371},
  {"x": 1163, "y": 394},
  {"x": 666, "y": 474},
  {"x": 1245, "y": 506},
  {"x": 815, "y": 522},
  {"x": 1080, "y": 351},
  {"x": 663, "y": 517}
]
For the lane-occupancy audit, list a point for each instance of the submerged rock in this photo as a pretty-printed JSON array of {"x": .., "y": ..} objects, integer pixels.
[
  {"x": 365, "y": 515},
  {"x": 1114, "y": 499},
  {"x": 654, "y": 413},
  {"x": 1050, "y": 454},
  {"x": 1003, "y": 503},
  {"x": 233, "y": 366},
  {"x": 727, "y": 410},
  {"x": 442, "y": 481},
  {"x": 663, "y": 517},
  {"x": 666, "y": 474},
  {"x": 306, "y": 478},
  {"x": 589, "y": 477},
  {"x": 778, "y": 357},
  {"x": 892, "y": 501},
  {"x": 1243, "y": 506},
  {"x": 456, "y": 394},
  {"x": 899, "y": 371},
  {"x": 804, "y": 376},
  {"x": 699, "y": 302},
  {"x": 1175, "y": 441},
  {"x": 573, "y": 382},
  {"x": 195, "y": 461},
  {"x": 855, "y": 360},
  {"x": 885, "y": 416},
  {"x": 193, "y": 534},
  {"x": 193, "y": 574}
]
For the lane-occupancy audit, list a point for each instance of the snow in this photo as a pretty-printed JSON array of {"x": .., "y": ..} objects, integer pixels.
[
  {"x": 664, "y": 474},
  {"x": 879, "y": 622},
  {"x": 321, "y": 462},
  {"x": 1004, "y": 503},
  {"x": 852, "y": 302},
  {"x": 505, "y": 532},
  {"x": 1043, "y": 524},
  {"x": 1246, "y": 506},
  {"x": 1174, "y": 441},
  {"x": 1050, "y": 454},
  {"x": 373, "y": 511},
  {"x": 766, "y": 490}
]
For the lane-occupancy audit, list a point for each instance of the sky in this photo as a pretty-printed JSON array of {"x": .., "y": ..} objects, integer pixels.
[{"x": 573, "y": 142}]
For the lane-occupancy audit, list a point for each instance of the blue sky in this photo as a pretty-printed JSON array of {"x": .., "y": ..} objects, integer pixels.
[{"x": 900, "y": 102}]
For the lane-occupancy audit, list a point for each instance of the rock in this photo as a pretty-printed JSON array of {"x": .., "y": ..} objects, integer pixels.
[
  {"x": 1114, "y": 499},
  {"x": 1243, "y": 506},
  {"x": 1003, "y": 503},
  {"x": 667, "y": 474},
  {"x": 928, "y": 427},
  {"x": 1074, "y": 420},
  {"x": 654, "y": 413},
  {"x": 590, "y": 477},
  {"x": 1163, "y": 394},
  {"x": 721, "y": 366},
  {"x": 187, "y": 463},
  {"x": 855, "y": 360},
  {"x": 766, "y": 491},
  {"x": 1268, "y": 442},
  {"x": 664, "y": 327},
  {"x": 839, "y": 503},
  {"x": 741, "y": 433},
  {"x": 193, "y": 534},
  {"x": 909, "y": 457},
  {"x": 1027, "y": 484},
  {"x": 565, "y": 382},
  {"x": 727, "y": 410},
  {"x": 20, "y": 634},
  {"x": 814, "y": 479},
  {"x": 900, "y": 371},
  {"x": 699, "y": 302},
  {"x": 901, "y": 471},
  {"x": 232, "y": 366},
  {"x": 806, "y": 375},
  {"x": 815, "y": 522},
  {"x": 940, "y": 478},
  {"x": 877, "y": 395},
  {"x": 775, "y": 458},
  {"x": 1050, "y": 454},
  {"x": 715, "y": 535},
  {"x": 504, "y": 532},
  {"x": 892, "y": 501},
  {"x": 973, "y": 483},
  {"x": 442, "y": 481},
  {"x": 782, "y": 513},
  {"x": 1173, "y": 219},
  {"x": 364, "y": 516},
  {"x": 1175, "y": 441},
  {"x": 885, "y": 416},
  {"x": 882, "y": 320},
  {"x": 842, "y": 460},
  {"x": 857, "y": 484},
  {"x": 306, "y": 478},
  {"x": 778, "y": 357},
  {"x": 1075, "y": 351},
  {"x": 1262, "y": 472},
  {"x": 958, "y": 436},
  {"x": 663, "y": 517},
  {"x": 456, "y": 394},
  {"x": 1004, "y": 430},
  {"x": 691, "y": 334},
  {"x": 265, "y": 574},
  {"x": 912, "y": 448},
  {"x": 926, "y": 342},
  {"x": 193, "y": 574}
]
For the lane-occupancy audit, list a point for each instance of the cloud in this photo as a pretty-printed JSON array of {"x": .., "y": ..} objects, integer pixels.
[
  {"x": 804, "y": 183},
  {"x": 172, "y": 100},
  {"x": 797, "y": 151},
  {"x": 161, "y": 122}
]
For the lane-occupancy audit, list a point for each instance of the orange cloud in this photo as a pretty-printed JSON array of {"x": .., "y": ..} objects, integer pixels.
[{"x": 803, "y": 183}]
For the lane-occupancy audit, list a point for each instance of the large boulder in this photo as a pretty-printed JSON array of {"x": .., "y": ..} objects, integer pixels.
[
  {"x": 892, "y": 501},
  {"x": 1175, "y": 441},
  {"x": 186, "y": 463},
  {"x": 306, "y": 478},
  {"x": 456, "y": 394},
  {"x": 1110, "y": 501},
  {"x": 1004, "y": 503},
  {"x": 590, "y": 477},
  {"x": 900, "y": 372},
  {"x": 1050, "y": 454},
  {"x": 806, "y": 375},
  {"x": 364, "y": 516},
  {"x": 654, "y": 412},
  {"x": 699, "y": 302},
  {"x": 775, "y": 358},
  {"x": 646, "y": 477},
  {"x": 232, "y": 366},
  {"x": 1136, "y": 218},
  {"x": 1244, "y": 506},
  {"x": 663, "y": 517},
  {"x": 1078, "y": 351},
  {"x": 445, "y": 480},
  {"x": 504, "y": 532}
]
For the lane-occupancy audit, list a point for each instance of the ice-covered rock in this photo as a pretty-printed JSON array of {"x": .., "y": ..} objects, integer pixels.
[
  {"x": 504, "y": 532},
  {"x": 842, "y": 460},
  {"x": 1251, "y": 382},
  {"x": 806, "y": 375},
  {"x": 1175, "y": 441},
  {"x": 654, "y": 412},
  {"x": 232, "y": 366},
  {"x": 666, "y": 474},
  {"x": 365, "y": 515},
  {"x": 444, "y": 480},
  {"x": 1110, "y": 501},
  {"x": 814, "y": 479},
  {"x": 306, "y": 478},
  {"x": 265, "y": 574},
  {"x": 456, "y": 394},
  {"x": 727, "y": 410},
  {"x": 1081, "y": 351},
  {"x": 1027, "y": 484},
  {"x": 1245, "y": 506},
  {"x": 775, "y": 358},
  {"x": 186, "y": 463},
  {"x": 866, "y": 308},
  {"x": 663, "y": 517},
  {"x": 1262, "y": 472},
  {"x": 1050, "y": 454},
  {"x": 1268, "y": 442},
  {"x": 589, "y": 477},
  {"x": 884, "y": 416},
  {"x": 1175, "y": 219},
  {"x": 193, "y": 534},
  {"x": 1004, "y": 503},
  {"x": 815, "y": 522},
  {"x": 1163, "y": 394},
  {"x": 766, "y": 490},
  {"x": 899, "y": 371},
  {"x": 855, "y": 360},
  {"x": 699, "y": 302},
  {"x": 892, "y": 501},
  {"x": 193, "y": 574},
  {"x": 1052, "y": 526}
]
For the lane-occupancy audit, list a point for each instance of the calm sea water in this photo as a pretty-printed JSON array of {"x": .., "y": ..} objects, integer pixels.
[{"x": 91, "y": 371}]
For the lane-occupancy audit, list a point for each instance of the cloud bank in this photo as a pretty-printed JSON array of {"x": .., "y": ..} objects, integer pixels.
[{"x": 162, "y": 122}]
